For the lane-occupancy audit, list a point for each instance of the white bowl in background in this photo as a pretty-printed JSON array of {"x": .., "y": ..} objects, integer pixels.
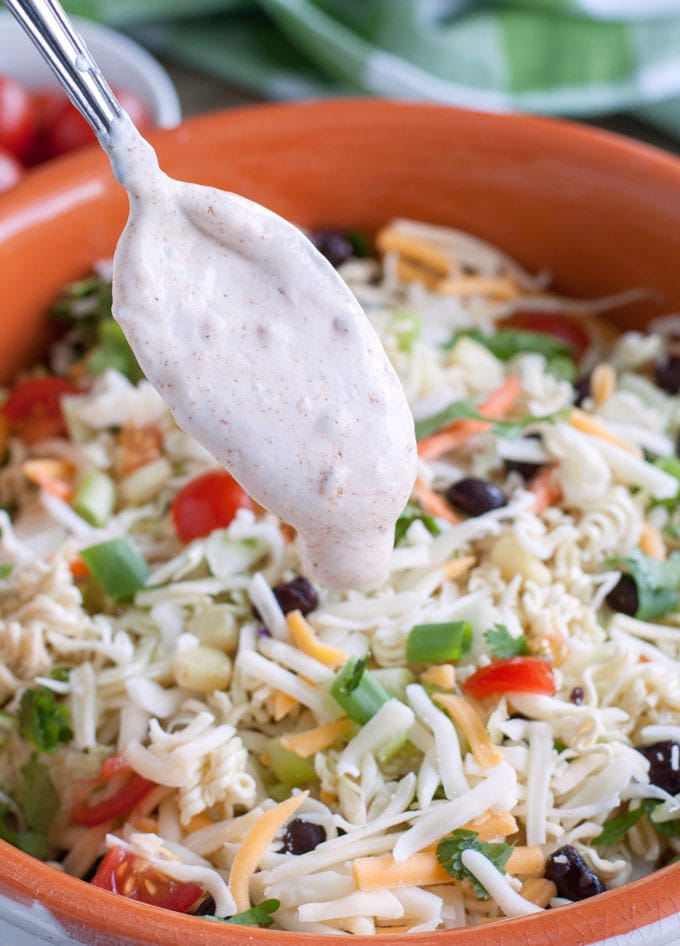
[{"x": 123, "y": 62}]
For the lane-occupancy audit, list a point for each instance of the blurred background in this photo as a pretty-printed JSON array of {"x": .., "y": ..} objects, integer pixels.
[{"x": 615, "y": 63}]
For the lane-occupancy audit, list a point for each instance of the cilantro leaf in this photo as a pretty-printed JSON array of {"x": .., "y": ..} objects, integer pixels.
[
  {"x": 37, "y": 796},
  {"x": 615, "y": 829},
  {"x": 408, "y": 325},
  {"x": 503, "y": 644},
  {"x": 657, "y": 582},
  {"x": 410, "y": 514},
  {"x": 42, "y": 720},
  {"x": 450, "y": 849},
  {"x": 261, "y": 915},
  {"x": 669, "y": 465},
  {"x": 31, "y": 842},
  {"x": 5, "y": 571},
  {"x": 466, "y": 410},
  {"x": 505, "y": 343},
  {"x": 113, "y": 351}
]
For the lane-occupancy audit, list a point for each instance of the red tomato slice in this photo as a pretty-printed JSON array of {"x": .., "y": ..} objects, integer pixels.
[
  {"x": 120, "y": 803},
  {"x": 11, "y": 171},
  {"x": 512, "y": 675},
  {"x": 47, "y": 103},
  {"x": 564, "y": 327},
  {"x": 67, "y": 130},
  {"x": 17, "y": 117},
  {"x": 33, "y": 407},
  {"x": 138, "y": 879},
  {"x": 208, "y": 502}
]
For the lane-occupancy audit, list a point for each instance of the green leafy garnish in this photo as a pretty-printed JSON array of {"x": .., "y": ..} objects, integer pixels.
[
  {"x": 615, "y": 829},
  {"x": 657, "y": 582},
  {"x": 85, "y": 301},
  {"x": 410, "y": 514},
  {"x": 60, "y": 673},
  {"x": 506, "y": 343},
  {"x": 31, "y": 842},
  {"x": 5, "y": 571},
  {"x": 438, "y": 643},
  {"x": 357, "y": 691},
  {"x": 669, "y": 465},
  {"x": 466, "y": 410},
  {"x": 261, "y": 915},
  {"x": 37, "y": 796},
  {"x": 113, "y": 351},
  {"x": 450, "y": 849},
  {"x": 502, "y": 644},
  {"x": 42, "y": 720}
]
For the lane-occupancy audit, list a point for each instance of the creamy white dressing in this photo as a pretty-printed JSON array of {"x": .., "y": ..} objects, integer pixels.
[{"x": 263, "y": 355}]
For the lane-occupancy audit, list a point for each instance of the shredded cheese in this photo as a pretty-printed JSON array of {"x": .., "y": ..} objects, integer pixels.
[
  {"x": 283, "y": 704},
  {"x": 463, "y": 713},
  {"x": 440, "y": 675},
  {"x": 602, "y": 382},
  {"x": 253, "y": 846},
  {"x": 420, "y": 251},
  {"x": 422, "y": 869},
  {"x": 303, "y": 636},
  {"x": 457, "y": 567},
  {"x": 307, "y": 743},
  {"x": 652, "y": 543},
  {"x": 591, "y": 425},
  {"x": 496, "y": 287}
]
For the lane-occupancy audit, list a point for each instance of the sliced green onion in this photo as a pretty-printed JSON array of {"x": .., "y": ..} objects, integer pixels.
[
  {"x": 357, "y": 691},
  {"x": 438, "y": 643},
  {"x": 118, "y": 566},
  {"x": 289, "y": 768},
  {"x": 95, "y": 497}
]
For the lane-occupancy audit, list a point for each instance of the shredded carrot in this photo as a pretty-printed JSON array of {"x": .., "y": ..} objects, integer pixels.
[
  {"x": 392, "y": 929},
  {"x": 538, "y": 890},
  {"x": 463, "y": 713},
  {"x": 55, "y": 476},
  {"x": 591, "y": 425},
  {"x": 501, "y": 400},
  {"x": 495, "y": 287},
  {"x": 434, "y": 504},
  {"x": 413, "y": 248},
  {"x": 147, "y": 825},
  {"x": 602, "y": 382},
  {"x": 458, "y": 566},
  {"x": 526, "y": 859},
  {"x": 283, "y": 704},
  {"x": 414, "y": 272},
  {"x": 304, "y": 638},
  {"x": 440, "y": 675},
  {"x": 652, "y": 543},
  {"x": 328, "y": 798},
  {"x": 253, "y": 846},
  {"x": 314, "y": 740},
  {"x": 546, "y": 489},
  {"x": 492, "y": 825}
]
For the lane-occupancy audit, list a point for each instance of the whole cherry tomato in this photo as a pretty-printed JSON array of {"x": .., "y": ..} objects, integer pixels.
[
  {"x": 565, "y": 327},
  {"x": 33, "y": 408},
  {"x": 17, "y": 117},
  {"x": 67, "y": 130},
  {"x": 11, "y": 170},
  {"x": 208, "y": 502}
]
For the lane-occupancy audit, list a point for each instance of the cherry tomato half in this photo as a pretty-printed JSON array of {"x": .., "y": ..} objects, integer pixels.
[
  {"x": 130, "y": 790},
  {"x": 138, "y": 879},
  {"x": 564, "y": 327},
  {"x": 33, "y": 407},
  {"x": 11, "y": 171},
  {"x": 512, "y": 675},
  {"x": 17, "y": 117},
  {"x": 66, "y": 129},
  {"x": 208, "y": 502}
]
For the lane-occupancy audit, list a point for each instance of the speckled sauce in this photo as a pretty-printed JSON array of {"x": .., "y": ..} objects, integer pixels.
[{"x": 264, "y": 356}]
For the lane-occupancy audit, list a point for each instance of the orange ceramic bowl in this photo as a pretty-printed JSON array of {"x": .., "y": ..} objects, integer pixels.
[{"x": 599, "y": 212}]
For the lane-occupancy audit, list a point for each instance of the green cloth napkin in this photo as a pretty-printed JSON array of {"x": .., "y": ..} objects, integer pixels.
[{"x": 581, "y": 58}]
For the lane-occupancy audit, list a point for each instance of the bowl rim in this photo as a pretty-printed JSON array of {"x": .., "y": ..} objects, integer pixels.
[{"x": 79, "y": 905}]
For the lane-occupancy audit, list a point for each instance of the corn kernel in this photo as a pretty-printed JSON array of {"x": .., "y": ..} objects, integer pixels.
[
  {"x": 513, "y": 559},
  {"x": 203, "y": 669},
  {"x": 215, "y": 627}
]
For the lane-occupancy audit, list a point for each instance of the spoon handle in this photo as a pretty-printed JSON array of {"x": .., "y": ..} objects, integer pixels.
[{"x": 55, "y": 37}]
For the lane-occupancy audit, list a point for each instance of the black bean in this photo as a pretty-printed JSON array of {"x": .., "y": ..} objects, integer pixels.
[
  {"x": 525, "y": 468},
  {"x": 571, "y": 875},
  {"x": 333, "y": 244},
  {"x": 624, "y": 596},
  {"x": 474, "y": 496},
  {"x": 576, "y": 696},
  {"x": 296, "y": 595},
  {"x": 581, "y": 389},
  {"x": 206, "y": 907},
  {"x": 667, "y": 374},
  {"x": 664, "y": 764},
  {"x": 302, "y": 836}
]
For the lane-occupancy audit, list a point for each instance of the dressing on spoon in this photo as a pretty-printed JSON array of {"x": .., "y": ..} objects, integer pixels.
[{"x": 265, "y": 357}]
